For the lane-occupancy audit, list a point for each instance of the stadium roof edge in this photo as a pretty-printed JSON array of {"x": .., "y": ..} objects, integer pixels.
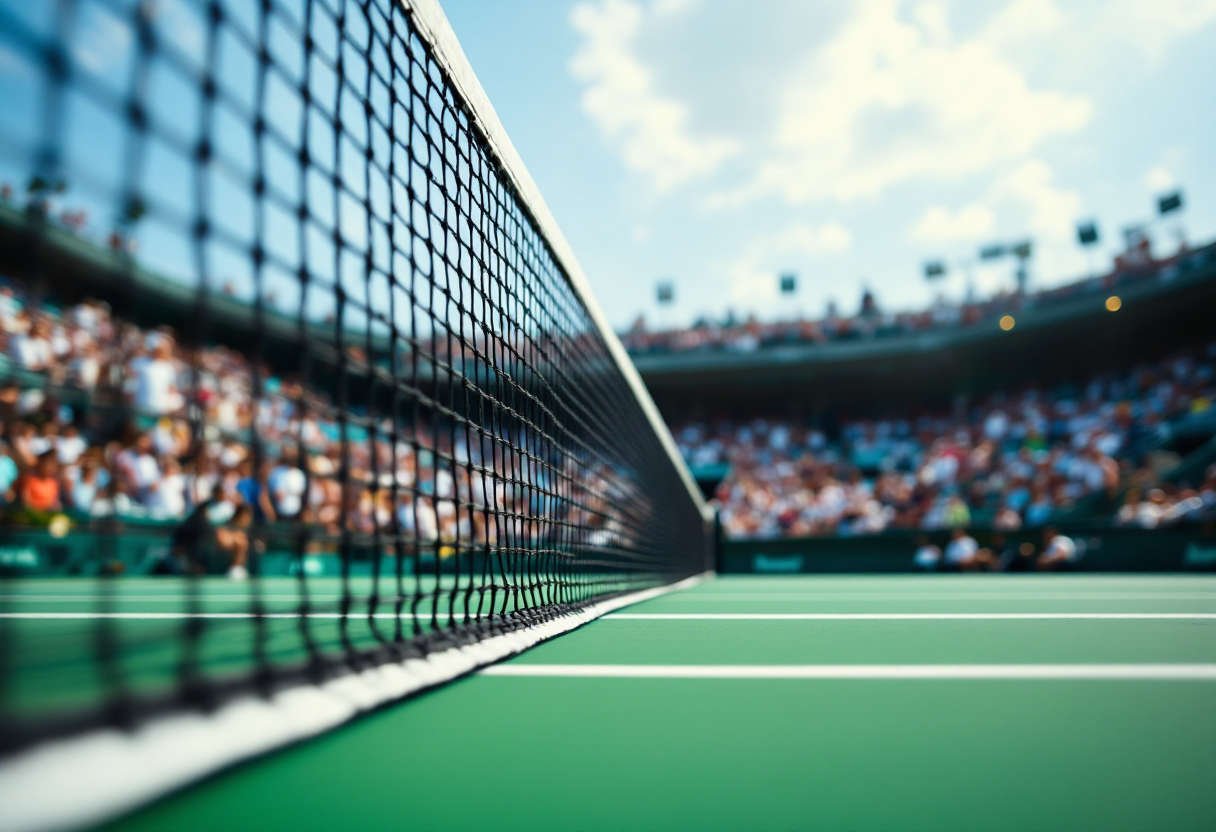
[{"x": 666, "y": 372}]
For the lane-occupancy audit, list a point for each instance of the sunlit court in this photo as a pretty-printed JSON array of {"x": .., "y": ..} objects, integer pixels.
[{"x": 607, "y": 415}]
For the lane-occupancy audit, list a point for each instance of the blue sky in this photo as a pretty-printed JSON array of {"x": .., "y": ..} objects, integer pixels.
[{"x": 718, "y": 143}]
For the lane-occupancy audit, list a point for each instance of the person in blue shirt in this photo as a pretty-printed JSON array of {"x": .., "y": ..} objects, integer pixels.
[
  {"x": 254, "y": 491},
  {"x": 8, "y": 475}
]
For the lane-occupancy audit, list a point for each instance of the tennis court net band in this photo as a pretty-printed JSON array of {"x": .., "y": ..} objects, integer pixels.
[{"x": 279, "y": 295}]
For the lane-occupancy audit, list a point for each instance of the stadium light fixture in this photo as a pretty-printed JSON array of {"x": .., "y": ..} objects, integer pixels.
[
  {"x": 1114, "y": 303},
  {"x": 935, "y": 269},
  {"x": 666, "y": 293},
  {"x": 1169, "y": 203},
  {"x": 1007, "y": 322},
  {"x": 789, "y": 283}
]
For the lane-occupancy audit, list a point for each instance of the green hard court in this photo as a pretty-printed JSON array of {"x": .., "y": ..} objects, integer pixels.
[{"x": 564, "y": 752}]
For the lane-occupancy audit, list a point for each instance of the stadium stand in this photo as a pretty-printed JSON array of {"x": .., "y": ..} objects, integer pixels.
[
  {"x": 1027, "y": 458},
  {"x": 851, "y": 447},
  {"x": 1066, "y": 335},
  {"x": 99, "y": 418}
]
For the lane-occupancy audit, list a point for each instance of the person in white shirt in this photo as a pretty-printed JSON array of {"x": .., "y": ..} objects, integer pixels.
[
  {"x": 287, "y": 484},
  {"x": 10, "y": 308},
  {"x": 960, "y": 550},
  {"x": 964, "y": 553},
  {"x": 156, "y": 382},
  {"x": 86, "y": 366},
  {"x": 139, "y": 466},
  {"x": 70, "y": 445},
  {"x": 32, "y": 350},
  {"x": 1059, "y": 552},
  {"x": 927, "y": 556},
  {"x": 167, "y": 496}
]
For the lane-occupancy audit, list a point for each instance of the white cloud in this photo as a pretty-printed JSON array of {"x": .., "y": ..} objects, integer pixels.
[
  {"x": 889, "y": 101},
  {"x": 671, "y": 6},
  {"x": 937, "y": 224},
  {"x": 934, "y": 20},
  {"x": 650, "y": 130},
  {"x": 1150, "y": 27},
  {"x": 1029, "y": 198},
  {"x": 1160, "y": 179},
  {"x": 1023, "y": 21},
  {"x": 1051, "y": 211},
  {"x": 808, "y": 240},
  {"x": 753, "y": 275}
]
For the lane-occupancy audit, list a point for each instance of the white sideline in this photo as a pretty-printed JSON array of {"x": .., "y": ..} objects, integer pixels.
[
  {"x": 174, "y": 616},
  {"x": 1157, "y": 672},
  {"x": 110, "y": 771},
  {"x": 908, "y": 616},
  {"x": 658, "y": 616}
]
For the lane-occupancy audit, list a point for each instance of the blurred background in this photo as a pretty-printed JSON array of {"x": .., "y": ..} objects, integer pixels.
[
  {"x": 888, "y": 269},
  {"x": 893, "y": 269}
]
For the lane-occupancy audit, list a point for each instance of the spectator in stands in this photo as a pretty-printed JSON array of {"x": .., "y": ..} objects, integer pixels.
[
  {"x": 156, "y": 392},
  {"x": 84, "y": 482},
  {"x": 254, "y": 490},
  {"x": 166, "y": 496},
  {"x": 928, "y": 556},
  {"x": 30, "y": 345},
  {"x": 1059, "y": 552},
  {"x": 287, "y": 484},
  {"x": 1007, "y": 520},
  {"x": 70, "y": 445},
  {"x": 9, "y": 474},
  {"x": 138, "y": 466},
  {"x": 964, "y": 554},
  {"x": 38, "y": 491}
]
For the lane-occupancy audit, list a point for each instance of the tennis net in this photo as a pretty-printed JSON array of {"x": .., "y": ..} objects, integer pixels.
[{"x": 302, "y": 387}]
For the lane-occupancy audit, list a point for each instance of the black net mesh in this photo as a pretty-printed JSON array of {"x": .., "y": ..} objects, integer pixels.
[{"x": 273, "y": 309}]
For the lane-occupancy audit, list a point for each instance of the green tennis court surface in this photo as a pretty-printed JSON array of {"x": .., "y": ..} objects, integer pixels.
[
  {"x": 564, "y": 752},
  {"x": 54, "y": 628}
]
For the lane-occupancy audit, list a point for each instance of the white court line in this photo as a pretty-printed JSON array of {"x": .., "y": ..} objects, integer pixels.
[
  {"x": 1159, "y": 672},
  {"x": 946, "y": 596},
  {"x": 175, "y": 616},
  {"x": 121, "y": 599},
  {"x": 695, "y": 616},
  {"x": 904, "y": 616}
]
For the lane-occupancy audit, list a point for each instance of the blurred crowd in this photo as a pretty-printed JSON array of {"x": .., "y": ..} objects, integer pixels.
[
  {"x": 1014, "y": 460},
  {"x": 749, "y": 334},
  {"x": 99, "y": 417}
]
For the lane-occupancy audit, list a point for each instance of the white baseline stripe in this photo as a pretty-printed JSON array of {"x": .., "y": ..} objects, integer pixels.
[
  {"x": 777, "y": 616},
  {"x": 112, "y": 771},
  {"x": 927, "y": 595},
  {"x": 174, "y": 616},
  {"x": 905, "y": 616},
  {"x": 1167, "y": 672}
]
